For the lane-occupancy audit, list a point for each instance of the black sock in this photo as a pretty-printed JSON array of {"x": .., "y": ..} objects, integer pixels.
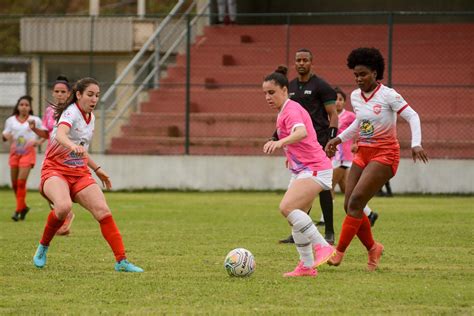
[{"x": 325, "y": 200}]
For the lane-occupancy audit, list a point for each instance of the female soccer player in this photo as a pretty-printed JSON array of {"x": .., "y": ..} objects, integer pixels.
[
  {"x": 376, "y": 161},
  {"x": 22, "y": 151},
  {"x": 343, "y": 159},
  {"x": 65, "y": 175},
  {"x": 61, "y": 91},
  {"x": 311, "y": 173}
]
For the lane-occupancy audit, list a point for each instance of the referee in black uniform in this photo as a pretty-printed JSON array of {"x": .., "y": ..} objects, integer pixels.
[{"x": 319, "y": 99}]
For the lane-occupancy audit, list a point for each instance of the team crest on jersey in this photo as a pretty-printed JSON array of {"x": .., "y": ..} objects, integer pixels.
[
  {"x": 366, "y": 129},
  {"x": 307, "y": 91},
  {"x": 377, "y": 109}
]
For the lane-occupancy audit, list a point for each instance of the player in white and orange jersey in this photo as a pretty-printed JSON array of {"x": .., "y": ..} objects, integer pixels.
[
  {"x": 342, "y": 161},
  {"x": 376, "y": 161},
  {"x": 311, "y": 173},
  {"x": 65, "y": 174},
  {"x": 23, "y": 142},
  {"x": 60, "y": 93}
]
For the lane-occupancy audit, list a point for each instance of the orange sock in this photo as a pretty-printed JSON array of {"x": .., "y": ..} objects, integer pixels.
[
  {"x": 50, "y": 229},
  {"x": 350, "y": 226},
  {"x": 20, "y": 195},
  {"x": 113, "y": 237},
  {"x": 365, "y": 233}
]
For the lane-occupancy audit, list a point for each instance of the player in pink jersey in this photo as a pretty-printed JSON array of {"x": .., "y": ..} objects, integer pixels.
[
  {"x": 311, "y": 173},
  {"x": 23, "y": 142},
  {"x": 376, "y": 107},
  {"x": 66, "y": 177},
  {"x": 60, "y": 93},
  {"x": 342, "y": 161}
]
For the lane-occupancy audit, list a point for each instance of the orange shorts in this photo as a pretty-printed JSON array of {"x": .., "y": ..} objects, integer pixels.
[
  {"x": 27, "y": 160},
  {"x": 75, "y": 183},
  {"x": 386, "y": 156}
]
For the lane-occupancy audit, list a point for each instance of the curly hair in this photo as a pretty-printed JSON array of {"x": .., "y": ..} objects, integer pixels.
[{"x": 369, "y": 57}]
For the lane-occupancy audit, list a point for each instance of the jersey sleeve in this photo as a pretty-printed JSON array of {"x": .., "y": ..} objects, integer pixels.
[
  {"x": 67, "y": 117},
  {"x": 396, "y": 101},
  {"x": 39, "y": 123},
  {"x": 327, "y": 93},
  {"x": 8, "y": 126}
]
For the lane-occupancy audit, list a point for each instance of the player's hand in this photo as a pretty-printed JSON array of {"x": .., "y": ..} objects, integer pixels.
[
  {"x": 418, "y": 152},
  {"x": 32, "y": 124},
  {"x": 79, "y": 150},
  {"x": 331, "y": 147},
  {"x": 271, "y": 146},
  {"x": 104, "y": 177},
  {"x": 354, "y": 148}
]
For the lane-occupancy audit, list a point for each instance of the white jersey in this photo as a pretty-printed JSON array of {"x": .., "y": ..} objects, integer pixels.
[
  {"x": 23, "y": 135},
  {"x": 81, "y": 130},
  {"x": 376, "y": 116}
]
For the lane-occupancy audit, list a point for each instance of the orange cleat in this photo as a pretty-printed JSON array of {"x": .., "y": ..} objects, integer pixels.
[
  {"x": 374, "y": 256},
  {"x": 66, "y": 228},
  {"x": 336, "y": 259}
]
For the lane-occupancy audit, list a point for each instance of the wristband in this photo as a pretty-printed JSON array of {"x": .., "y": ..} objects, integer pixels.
[
  {"x": 95, "y": 170},
  {"x": 332, "y": 132}
]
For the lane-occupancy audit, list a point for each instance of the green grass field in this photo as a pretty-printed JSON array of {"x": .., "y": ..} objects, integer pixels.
[{"x": 181, "y": 239}]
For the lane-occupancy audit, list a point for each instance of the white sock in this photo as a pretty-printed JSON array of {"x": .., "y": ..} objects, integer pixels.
[
  {"x": 302, "y": 223},
  {"x": 303, "y": 245},
  {"x": 367, "y": 210}
]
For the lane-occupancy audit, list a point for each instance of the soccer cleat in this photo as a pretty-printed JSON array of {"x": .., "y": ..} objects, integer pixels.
[
  {"x": 24, "y": 212},
  {"x": 288, "y": 240},
  {"x": 16, "y": 216},
  {"x": 372, "y": 218},
  {"x": 374, "y": 256},
  {"x": 40, "y": 256},
  {"x": 301, "y": 270},
  {"x": 336, "y": 259},
  {"x": 329, "y": 237},
  {"x": 322, "y": 254},
  {"x": 65, "y": 229},
  {"x": 125, "y": 266}
]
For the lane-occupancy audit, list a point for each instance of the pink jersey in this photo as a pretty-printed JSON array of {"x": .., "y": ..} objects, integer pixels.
[
  {"x": 48, "y": 119},
  {"x": 343, "y": 152},
  {"x": 376, "y": 117},
  {"x": 60, "y": 158},
  {"x": 23, "y": 137},
  {"x": 307, "y": 154}
]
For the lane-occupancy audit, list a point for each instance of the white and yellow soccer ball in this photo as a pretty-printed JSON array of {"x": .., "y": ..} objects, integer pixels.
[{"x": 239, "y": 262}]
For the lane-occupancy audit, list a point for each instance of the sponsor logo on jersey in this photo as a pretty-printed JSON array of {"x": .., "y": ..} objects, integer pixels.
[
  {"x": 366, "y": 129},
  {"x": 307, "y": 91}
]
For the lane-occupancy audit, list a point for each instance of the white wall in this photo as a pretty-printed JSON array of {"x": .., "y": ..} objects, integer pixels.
[{"x": 252, "y": 173}]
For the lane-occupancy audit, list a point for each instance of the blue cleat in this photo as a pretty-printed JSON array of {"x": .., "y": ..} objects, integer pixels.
[
  {"x": 125, "y": 266},
  {"x": 40, "y": 256}
]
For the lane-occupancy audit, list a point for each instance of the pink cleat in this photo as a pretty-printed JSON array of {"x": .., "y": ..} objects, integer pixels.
[
  {"x": 336, "y": 259},
  {"x": 301, "y": 270},
  {"x": 322, "y": 254},
  {"x": 374, "y": 256}
]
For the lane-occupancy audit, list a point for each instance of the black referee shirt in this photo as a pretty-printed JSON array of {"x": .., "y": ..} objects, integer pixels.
[{"x": 313, "y": 95}]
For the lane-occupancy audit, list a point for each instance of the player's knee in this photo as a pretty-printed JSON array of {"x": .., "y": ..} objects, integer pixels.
[
  {"x": 356, "y": 203},
  {"x": 61, "y": 209},
  {"x": 285, "y": 209},
  {"x": 101, "y": 211}
]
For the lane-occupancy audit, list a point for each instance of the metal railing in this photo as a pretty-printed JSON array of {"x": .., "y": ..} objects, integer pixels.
[{"x": 154, "y": 60}]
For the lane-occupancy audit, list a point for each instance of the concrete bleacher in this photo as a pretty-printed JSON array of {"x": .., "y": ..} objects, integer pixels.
[{"x": 433, "y": 68}]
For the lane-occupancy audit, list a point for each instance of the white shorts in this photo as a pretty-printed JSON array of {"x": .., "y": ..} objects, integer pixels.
[
  {"x": 322, "y": 177},
  {"x": 341, "y": 163}
]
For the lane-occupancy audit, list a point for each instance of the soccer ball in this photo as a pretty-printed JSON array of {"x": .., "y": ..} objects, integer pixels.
[{"x": 239, "y": 262}]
